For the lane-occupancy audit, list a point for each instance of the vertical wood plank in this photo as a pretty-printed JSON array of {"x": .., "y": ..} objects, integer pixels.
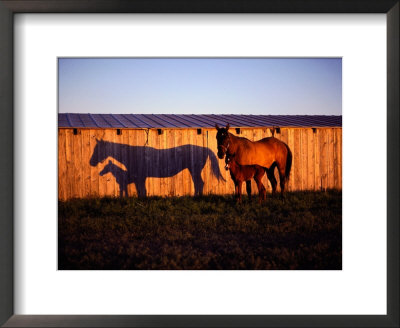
[
  {"x": 317, "y": 157},
  {"x": 132, "y": 141},
  {"x": 198, "y": 159},
  {"x": 284, "y": 137},
  {"x": 94, "y": 174},
  {"x": 324, "y": 158},
  {"x": 85, "y": 162},
  {"x": 141, "y": 160},
  {"x": 304, "y": 159},
  {"x": 68, "y": 162},
  {"x": 218, "y": 187},
  {"x": 119, "y": 160},
  {"x": 62, "y": 177},
  {"x": 200, "y": 153},
  {"x": 310, "y": 160},
  {"x": 206, "y": 168},
  {"x": 178, "y": 186},
  {"x": 149, "y": 166},
  {"x": 108, "y": 179},
  {"x": 331, "y": 173},
  {"x": 72, "y": 173},
  {"x": 207, "y": 159},
  {"x": 340, "y": 147},
  {"x": 201, "y": 142},
  {"x": 186, "y": 175},
  {"x": 77, "y": 159},
  {"x": 163, "y": 164},
  {"x": 170, "y": 161},
  {"x": 297, "y": 160},
  {"x": 291, "y": 147},
  {"x": 191, "y": 160},
  {"x": 72, "y": 169},
  {"x": 125, "y": 157},
  {"x": 215, "y": 186},
  {"x": 335, "y": 159},
  {"x": 100, "y": 154},
  {"x": 124, "y": 145},
  {"x": 155, "y": 170},
  {"x": 116, "y": 154},
  {"x": 155, "y": 162}
]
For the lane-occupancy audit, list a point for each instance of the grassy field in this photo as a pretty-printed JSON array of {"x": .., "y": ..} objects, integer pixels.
[{"x": 302, "y": 231}]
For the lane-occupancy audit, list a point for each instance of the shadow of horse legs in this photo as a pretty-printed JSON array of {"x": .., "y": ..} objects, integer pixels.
[
  {"x": 141, "y": 187},
  {"x": 198, "y": 184}
]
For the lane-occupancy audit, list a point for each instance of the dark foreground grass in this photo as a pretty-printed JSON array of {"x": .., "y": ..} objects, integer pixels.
[{"x": 303, "y": 231}]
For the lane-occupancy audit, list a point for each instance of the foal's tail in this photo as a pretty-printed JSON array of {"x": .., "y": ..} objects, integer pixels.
[
  {"x": 215, "y": 166},
  {"x": 289, "y": 158}
]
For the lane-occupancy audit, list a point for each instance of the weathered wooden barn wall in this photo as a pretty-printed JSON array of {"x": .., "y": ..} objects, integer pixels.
[{"x": 317, "y": 160}]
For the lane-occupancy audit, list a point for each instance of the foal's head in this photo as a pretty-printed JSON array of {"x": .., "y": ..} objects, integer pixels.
[
  {"x": 223, "y": 140},
  {"x": 229, "y": 161}
]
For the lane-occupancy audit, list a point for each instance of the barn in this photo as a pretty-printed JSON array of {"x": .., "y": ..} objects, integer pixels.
[{"x": 174, "y": 155}]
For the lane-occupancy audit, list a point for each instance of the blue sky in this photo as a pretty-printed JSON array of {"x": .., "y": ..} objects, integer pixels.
[{"x": 307, "y": 86}]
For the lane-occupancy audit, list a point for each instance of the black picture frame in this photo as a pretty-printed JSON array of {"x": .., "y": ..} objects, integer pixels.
[{"x": 7, "y": 11}]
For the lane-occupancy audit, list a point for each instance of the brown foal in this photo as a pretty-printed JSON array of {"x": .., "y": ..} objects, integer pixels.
[{"x": 241, "y": 173}]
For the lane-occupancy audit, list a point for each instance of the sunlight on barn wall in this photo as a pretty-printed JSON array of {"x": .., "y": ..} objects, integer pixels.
[{"x": 317, "y": 161}]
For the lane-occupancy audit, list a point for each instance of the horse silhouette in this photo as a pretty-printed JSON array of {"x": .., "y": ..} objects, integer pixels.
[
  {"x": 143, "y": 162},
  {"x": 121, "y": 176}
]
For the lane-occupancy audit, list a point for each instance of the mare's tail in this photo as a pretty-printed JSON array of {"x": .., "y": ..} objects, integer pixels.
[
  {"x": 215, "y": 166},
  {"x": 289, "y": 158}
]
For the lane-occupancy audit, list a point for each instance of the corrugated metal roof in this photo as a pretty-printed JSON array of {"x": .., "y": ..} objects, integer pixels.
[{"x": 69, "y": 120}]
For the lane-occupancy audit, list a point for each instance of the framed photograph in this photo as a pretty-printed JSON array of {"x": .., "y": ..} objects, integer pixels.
[{"x": 119, "y": 114}]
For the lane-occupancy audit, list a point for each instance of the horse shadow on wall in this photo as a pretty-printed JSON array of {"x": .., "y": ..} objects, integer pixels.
[{"x": 147, "y": 162}]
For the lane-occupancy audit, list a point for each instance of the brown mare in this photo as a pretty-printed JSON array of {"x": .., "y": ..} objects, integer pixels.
[
  {"x": 268, "y": 153},
  {"x": 241, "y": 173}
]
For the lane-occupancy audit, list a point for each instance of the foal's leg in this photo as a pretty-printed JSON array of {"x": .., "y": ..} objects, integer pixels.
[
  {"x": 236, "y": 191},
  {"x": 239, "y": 191},
  {"x": 248, "y": 188}
]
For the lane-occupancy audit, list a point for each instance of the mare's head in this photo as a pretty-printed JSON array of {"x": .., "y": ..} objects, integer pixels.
[
  {"x": 99, "y": 153},
  {"x": 223, "y": 140},
  {"x": 107, "y": 168},
  {"x": 229, "y": 161}
]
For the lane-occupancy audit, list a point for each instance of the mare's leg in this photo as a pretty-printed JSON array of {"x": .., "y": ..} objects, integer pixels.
[
  {"x": 271, "y": 178},
  {"x": 282, "y": 178},
  {"x": 248, "y": 188}
]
